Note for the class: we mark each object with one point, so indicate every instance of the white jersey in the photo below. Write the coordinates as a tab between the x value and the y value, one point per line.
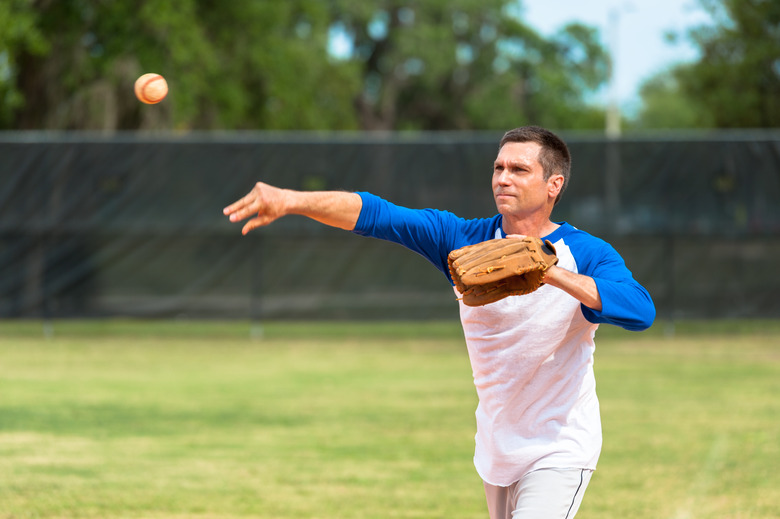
534	378
531	355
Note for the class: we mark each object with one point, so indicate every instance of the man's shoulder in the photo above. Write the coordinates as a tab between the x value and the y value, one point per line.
383	219
571	234
475	230
585	247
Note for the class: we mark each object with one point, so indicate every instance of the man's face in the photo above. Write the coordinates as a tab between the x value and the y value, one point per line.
519	188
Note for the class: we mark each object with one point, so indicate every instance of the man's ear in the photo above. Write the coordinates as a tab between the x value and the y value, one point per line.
554	186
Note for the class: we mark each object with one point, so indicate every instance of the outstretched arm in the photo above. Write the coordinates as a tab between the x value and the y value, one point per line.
266	203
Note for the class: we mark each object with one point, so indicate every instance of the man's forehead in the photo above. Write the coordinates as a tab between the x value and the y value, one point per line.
519	152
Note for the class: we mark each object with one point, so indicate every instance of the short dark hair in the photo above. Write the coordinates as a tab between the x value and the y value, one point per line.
554	156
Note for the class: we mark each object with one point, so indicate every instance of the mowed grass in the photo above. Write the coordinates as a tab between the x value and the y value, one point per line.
120	419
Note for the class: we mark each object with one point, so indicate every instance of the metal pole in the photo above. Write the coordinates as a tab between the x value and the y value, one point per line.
256	330
613	129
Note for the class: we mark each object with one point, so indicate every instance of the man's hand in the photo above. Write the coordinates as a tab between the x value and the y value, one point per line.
267	202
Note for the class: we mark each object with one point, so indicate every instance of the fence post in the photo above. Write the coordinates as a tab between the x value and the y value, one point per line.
256	330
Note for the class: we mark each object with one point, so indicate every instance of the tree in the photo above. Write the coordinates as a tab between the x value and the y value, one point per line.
266	64
736	81
18	35
468	64
664	105
237	64
80	75
275	71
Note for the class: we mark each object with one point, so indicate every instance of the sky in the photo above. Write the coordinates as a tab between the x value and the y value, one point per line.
641	48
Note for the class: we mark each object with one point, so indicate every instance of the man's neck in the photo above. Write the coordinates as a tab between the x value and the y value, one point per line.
529	227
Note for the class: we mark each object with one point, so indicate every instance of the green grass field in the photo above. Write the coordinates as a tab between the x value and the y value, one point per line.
120	419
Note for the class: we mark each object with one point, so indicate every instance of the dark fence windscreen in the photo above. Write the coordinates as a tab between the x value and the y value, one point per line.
132	225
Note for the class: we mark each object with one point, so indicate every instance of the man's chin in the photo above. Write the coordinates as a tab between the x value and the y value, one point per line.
503	204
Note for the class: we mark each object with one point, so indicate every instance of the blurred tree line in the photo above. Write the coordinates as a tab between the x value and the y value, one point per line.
736	81
359	64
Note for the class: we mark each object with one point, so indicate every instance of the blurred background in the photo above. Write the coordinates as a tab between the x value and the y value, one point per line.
109	207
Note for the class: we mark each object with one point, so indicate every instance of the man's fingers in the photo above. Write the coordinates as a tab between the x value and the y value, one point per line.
244	208
241	214
254	223
232	208
259	203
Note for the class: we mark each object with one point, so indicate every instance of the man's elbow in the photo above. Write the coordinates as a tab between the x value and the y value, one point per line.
646	318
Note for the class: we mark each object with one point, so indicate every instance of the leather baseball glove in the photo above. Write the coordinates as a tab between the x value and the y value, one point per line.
492	270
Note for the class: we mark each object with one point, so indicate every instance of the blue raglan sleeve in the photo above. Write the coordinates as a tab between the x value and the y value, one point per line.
431	233
624	301
427	232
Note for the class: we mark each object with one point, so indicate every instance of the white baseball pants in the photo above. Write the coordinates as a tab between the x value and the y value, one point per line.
541	494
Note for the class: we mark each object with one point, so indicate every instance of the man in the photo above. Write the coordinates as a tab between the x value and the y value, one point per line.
538	424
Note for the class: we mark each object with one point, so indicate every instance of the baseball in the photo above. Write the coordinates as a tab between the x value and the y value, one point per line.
151	88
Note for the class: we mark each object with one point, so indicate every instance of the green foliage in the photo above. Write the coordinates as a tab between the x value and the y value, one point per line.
261	64
91	54
664	105
738	77
238	64
736	81
470	64
274	69
18	34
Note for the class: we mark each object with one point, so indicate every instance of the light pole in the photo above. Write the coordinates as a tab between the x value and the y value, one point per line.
613	129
